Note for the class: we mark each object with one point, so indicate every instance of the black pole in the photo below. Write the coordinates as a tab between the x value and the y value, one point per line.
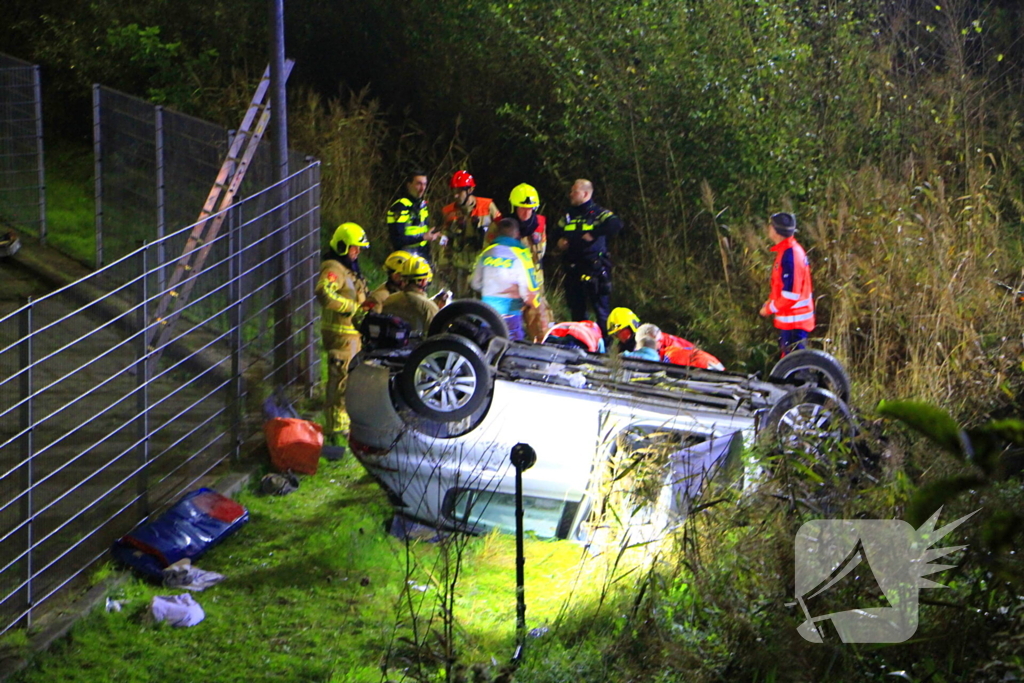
523	458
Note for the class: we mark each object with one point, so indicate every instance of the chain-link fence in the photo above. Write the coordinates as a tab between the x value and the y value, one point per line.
103	421
22	187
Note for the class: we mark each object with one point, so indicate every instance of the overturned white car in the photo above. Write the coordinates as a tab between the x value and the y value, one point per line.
435	422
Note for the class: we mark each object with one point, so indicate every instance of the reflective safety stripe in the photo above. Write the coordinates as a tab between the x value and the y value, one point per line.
339	329
790	295
803	304
531	272
407	215
794	318
497	262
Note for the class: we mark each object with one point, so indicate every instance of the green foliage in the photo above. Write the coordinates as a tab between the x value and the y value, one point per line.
932	422
992	453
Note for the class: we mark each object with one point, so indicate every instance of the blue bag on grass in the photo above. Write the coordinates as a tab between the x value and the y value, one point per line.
196	523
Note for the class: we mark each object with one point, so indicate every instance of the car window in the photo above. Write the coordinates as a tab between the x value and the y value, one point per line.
656	472
485	510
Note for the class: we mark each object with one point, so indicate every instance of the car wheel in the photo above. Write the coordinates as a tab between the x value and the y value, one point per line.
810	426
475	315
445	379
811	366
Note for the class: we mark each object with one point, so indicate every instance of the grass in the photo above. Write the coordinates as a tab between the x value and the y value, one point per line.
70	207
317	591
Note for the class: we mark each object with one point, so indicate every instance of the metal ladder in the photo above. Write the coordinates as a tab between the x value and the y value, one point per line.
201	239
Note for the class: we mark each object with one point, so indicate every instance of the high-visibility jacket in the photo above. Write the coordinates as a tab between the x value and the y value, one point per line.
588	218
408	223
341	293
464	239
679	351
505	277
586	332
792	298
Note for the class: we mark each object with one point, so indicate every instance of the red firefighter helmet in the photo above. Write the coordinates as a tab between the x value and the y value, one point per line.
461	179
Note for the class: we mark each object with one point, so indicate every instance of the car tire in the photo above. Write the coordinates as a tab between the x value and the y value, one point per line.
471	311
811	366
807	423
445	379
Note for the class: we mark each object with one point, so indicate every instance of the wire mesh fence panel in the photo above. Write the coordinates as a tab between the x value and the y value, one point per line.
93	438
22	189
155	171
126	174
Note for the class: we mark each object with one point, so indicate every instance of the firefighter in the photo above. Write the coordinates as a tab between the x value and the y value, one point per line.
791	300
341	291
505	277
392	266
582	334
533	232
408	218
623	325
582	237
464	225
412	304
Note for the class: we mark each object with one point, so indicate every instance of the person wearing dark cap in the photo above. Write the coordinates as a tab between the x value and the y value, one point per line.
791	300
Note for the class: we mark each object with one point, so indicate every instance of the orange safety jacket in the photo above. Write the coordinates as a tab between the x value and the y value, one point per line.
462	248
585	331
679	351
792	298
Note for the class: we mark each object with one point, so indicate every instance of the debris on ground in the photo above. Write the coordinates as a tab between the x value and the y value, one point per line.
182	574
274	484
177	610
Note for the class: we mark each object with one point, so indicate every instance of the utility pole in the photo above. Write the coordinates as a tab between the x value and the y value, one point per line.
284	362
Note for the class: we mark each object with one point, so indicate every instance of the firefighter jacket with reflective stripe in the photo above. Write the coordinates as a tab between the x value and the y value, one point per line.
464	239
791	299
588	219
505	276
408	223
413	307
586	332
341	293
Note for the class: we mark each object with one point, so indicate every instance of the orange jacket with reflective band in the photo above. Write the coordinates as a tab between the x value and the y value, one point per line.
793	309
481	208
679	351
585	331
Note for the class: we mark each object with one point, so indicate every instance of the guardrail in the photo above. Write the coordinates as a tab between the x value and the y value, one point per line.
91	441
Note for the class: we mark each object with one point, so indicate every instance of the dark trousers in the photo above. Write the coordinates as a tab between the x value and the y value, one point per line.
792	340
579	292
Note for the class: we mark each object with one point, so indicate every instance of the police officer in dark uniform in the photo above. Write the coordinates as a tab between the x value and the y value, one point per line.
582	237
408	218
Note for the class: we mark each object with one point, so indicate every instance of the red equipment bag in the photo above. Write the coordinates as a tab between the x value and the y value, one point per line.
294	444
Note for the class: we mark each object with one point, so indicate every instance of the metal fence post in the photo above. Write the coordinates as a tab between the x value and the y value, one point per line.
27	475
311	258
235	389
161	219
307	272
97	153
142	385
38	97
